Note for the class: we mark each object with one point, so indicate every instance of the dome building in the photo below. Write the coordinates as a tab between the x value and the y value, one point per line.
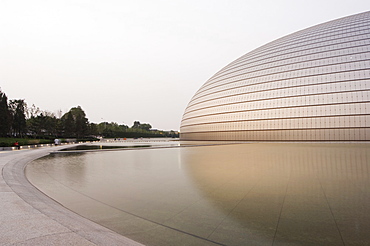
312	85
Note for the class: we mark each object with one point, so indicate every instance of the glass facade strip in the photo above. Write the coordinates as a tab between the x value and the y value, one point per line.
300	55
323	36
324	47
258	103
282	114
298	82
289	71
334	76
276	88
285	123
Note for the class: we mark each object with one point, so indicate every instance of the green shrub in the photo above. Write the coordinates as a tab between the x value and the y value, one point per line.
9	142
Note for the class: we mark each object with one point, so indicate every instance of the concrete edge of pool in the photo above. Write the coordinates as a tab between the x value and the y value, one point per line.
29	217
67	151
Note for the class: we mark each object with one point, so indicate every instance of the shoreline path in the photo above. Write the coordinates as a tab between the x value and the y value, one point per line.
29	217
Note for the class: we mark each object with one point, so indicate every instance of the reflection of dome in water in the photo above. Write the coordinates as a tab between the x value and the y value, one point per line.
298	192
311	85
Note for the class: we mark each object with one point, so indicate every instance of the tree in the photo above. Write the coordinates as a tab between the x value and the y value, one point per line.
145	127
75	123
68	125
18	110
33	125
138	125
93	129
4	115
44	124
32	111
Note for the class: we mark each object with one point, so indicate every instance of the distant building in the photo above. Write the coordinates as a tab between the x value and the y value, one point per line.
311	85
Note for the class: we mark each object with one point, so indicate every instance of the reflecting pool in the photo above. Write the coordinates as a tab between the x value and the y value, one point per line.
234	194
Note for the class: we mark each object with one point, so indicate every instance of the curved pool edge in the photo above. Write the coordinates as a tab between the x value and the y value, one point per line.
66	151
30	217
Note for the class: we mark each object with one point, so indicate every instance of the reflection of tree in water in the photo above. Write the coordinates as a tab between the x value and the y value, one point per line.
299	193
65	168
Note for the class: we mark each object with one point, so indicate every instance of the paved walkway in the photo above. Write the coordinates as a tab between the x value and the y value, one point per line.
28	217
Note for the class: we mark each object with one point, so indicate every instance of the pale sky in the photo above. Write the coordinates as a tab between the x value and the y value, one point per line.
143	60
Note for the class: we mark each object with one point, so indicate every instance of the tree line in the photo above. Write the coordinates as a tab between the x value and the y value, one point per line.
19	120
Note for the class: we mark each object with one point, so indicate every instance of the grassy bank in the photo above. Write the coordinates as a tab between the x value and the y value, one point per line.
9	142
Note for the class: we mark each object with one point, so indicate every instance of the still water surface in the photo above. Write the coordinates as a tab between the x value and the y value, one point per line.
237	194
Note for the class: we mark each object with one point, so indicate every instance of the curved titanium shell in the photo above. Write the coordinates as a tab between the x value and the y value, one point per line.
311	85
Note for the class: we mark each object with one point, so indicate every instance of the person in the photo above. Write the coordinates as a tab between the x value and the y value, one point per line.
17	145
56	141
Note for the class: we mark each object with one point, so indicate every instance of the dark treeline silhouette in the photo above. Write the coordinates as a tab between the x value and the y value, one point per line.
19	120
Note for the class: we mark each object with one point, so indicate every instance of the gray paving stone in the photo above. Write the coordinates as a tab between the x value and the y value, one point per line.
20	229
64	239
28	217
